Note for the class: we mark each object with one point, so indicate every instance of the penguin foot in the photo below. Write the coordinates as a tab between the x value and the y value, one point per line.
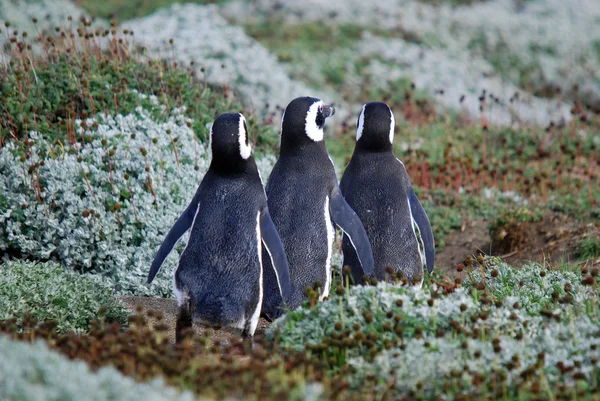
183	326
246	335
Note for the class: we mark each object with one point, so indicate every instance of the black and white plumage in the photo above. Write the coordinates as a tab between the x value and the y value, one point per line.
376	185
305	202
219	279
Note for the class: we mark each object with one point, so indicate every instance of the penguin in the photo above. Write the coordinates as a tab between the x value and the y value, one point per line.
377	187
305	202
219	278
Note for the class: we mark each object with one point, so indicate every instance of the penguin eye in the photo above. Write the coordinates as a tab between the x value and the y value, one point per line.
320	120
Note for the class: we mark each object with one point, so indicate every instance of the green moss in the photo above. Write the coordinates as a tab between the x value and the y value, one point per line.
45	291
589	249
453	3
310	36
122	10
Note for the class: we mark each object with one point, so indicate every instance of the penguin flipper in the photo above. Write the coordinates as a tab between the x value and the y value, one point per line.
179	228
272	242
346	219
420	217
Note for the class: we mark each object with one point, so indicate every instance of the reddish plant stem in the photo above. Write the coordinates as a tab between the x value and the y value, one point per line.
176	154
88	184
110	173
132	201
38	188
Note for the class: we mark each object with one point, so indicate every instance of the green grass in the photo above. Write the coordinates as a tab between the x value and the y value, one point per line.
315	50
122	10
589	249
44	291
514	216
310	36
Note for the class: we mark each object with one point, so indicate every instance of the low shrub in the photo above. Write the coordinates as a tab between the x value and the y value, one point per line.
103	206
515	216
503	330
34	372
43	291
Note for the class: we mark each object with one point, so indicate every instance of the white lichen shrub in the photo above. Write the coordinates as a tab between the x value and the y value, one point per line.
502	322
48	14
432	68
533	287
34	372
426	361
104	204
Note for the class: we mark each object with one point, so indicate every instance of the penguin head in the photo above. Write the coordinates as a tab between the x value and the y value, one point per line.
375	127
303	120
229	140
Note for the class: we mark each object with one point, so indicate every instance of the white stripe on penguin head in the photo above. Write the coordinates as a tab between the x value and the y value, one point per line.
392	125
245	149
313	131
210	136
361	123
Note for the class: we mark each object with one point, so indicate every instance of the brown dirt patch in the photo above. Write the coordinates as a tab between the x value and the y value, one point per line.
168	308
553	239
473	237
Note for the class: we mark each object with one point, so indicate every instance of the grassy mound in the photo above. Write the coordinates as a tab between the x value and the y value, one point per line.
214	371
44	291
101	71
504	333
589	248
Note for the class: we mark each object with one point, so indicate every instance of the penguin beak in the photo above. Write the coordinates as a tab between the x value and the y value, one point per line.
328	111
